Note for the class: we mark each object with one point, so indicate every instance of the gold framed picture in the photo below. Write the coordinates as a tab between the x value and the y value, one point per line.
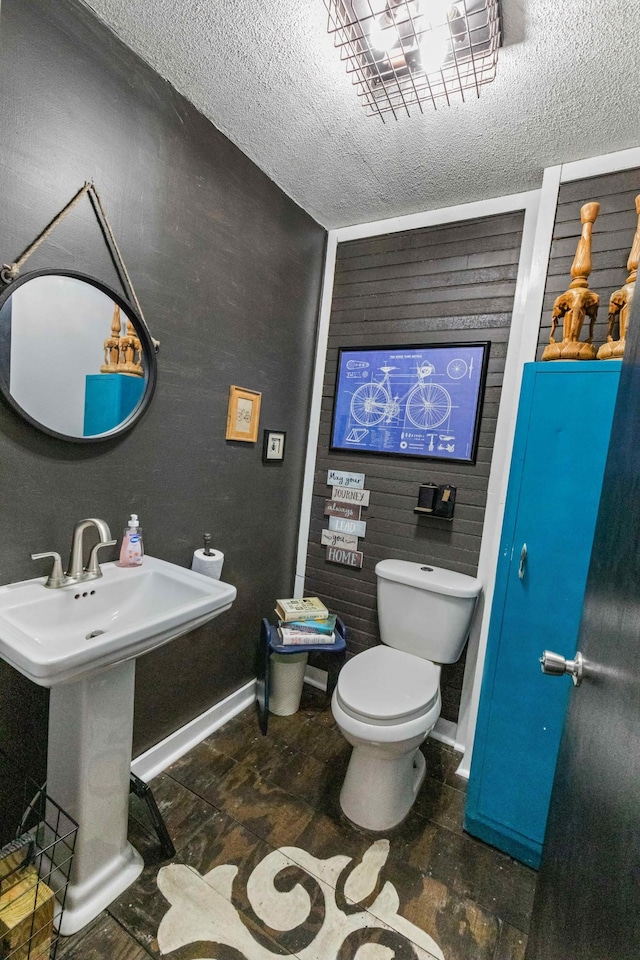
243	414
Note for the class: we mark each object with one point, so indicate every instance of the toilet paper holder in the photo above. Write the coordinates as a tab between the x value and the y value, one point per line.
207	561
436	500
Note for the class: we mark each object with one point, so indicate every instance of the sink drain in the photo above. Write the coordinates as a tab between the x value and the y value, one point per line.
94	633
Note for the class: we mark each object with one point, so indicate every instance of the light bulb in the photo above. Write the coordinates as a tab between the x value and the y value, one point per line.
434	49
437	11
383	35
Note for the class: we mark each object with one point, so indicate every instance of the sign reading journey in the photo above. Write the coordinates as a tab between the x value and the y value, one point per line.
347	495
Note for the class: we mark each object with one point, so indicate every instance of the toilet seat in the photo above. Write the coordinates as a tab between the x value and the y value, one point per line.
383	686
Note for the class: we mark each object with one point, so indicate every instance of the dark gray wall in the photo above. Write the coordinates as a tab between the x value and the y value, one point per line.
434	285
612	237
228	271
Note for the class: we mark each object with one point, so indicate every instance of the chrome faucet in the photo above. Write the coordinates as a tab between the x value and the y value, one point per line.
76	573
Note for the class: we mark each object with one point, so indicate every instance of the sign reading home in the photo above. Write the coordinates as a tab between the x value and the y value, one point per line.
331	538
348	511
347	495
357	528
348	558
340	478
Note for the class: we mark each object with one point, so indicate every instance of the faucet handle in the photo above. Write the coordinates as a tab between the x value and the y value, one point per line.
93	567
56	577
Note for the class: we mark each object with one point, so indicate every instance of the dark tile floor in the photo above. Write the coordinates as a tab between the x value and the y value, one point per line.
238	797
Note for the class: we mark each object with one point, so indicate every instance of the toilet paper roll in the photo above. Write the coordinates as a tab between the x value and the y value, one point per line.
209	566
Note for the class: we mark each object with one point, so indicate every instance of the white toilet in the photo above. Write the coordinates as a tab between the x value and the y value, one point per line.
387	699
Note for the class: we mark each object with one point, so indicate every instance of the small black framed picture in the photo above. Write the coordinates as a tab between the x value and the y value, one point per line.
273	446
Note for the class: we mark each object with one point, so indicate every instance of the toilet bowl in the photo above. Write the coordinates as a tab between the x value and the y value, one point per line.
385	703
387	699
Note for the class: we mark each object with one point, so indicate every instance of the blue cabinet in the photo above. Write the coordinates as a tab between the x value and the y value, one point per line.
109	399
562	435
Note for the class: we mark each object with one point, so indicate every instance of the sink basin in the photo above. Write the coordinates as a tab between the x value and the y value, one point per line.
52	636
82	640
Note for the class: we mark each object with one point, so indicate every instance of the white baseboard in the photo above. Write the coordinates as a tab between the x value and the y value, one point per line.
445	732
153	761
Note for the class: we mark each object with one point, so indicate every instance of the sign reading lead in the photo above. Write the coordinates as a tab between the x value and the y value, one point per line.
347	495
332	539
340	478
349	558
357	528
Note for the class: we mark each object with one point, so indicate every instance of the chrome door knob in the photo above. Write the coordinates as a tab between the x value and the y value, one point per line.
557	666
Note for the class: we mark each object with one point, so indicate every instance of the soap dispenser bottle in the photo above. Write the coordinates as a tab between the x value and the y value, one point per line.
131	551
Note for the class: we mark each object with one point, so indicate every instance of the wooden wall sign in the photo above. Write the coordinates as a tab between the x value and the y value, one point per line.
331	538
347	495
348	558
356	527
340	478
346	510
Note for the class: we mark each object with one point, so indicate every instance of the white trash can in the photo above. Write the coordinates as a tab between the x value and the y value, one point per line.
287	678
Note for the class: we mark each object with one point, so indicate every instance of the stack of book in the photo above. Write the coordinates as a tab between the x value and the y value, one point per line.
305	621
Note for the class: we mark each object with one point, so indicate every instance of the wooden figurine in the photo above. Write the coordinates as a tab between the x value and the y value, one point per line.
577	302
620	302
122	353
112	344
134	352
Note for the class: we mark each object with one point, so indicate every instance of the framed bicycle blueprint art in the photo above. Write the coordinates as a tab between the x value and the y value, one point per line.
413	401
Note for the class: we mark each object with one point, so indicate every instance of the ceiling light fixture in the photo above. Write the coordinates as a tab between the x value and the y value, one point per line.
404	54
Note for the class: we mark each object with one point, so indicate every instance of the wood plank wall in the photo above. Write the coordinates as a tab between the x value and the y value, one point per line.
433	285
612	237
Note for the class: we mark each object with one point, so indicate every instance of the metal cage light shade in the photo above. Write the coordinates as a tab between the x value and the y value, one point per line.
410	53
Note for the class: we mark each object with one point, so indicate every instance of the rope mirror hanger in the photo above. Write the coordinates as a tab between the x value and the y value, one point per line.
10	271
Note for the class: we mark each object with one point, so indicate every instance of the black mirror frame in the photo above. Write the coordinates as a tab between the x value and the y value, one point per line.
148	352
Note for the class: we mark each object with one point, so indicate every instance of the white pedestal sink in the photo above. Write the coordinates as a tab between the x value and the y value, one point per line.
82	641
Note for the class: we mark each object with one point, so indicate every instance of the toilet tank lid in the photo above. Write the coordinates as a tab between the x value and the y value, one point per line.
427	577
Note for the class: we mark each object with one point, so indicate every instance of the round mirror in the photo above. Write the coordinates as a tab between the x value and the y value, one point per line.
76	360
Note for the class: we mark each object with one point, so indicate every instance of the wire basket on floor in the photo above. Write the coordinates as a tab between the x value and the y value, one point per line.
34	874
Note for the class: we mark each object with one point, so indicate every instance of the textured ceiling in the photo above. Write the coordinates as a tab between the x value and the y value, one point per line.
266	73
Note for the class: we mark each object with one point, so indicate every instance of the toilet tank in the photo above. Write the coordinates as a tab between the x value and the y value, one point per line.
425	610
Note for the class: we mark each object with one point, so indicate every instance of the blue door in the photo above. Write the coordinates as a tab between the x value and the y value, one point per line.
562	436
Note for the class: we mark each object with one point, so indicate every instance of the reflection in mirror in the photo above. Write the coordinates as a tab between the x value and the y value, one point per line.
70	357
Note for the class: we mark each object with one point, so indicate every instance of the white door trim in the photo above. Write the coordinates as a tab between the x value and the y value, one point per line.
316	407
435	218
525	323
597	166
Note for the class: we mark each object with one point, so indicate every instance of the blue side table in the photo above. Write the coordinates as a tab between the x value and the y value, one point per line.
270	643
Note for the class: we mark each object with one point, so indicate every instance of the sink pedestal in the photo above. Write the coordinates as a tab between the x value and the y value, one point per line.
83	644
89	762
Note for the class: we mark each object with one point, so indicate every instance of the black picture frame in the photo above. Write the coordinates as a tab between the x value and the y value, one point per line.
411	400
273	445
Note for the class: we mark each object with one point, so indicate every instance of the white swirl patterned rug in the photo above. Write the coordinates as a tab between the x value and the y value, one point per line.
315	909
